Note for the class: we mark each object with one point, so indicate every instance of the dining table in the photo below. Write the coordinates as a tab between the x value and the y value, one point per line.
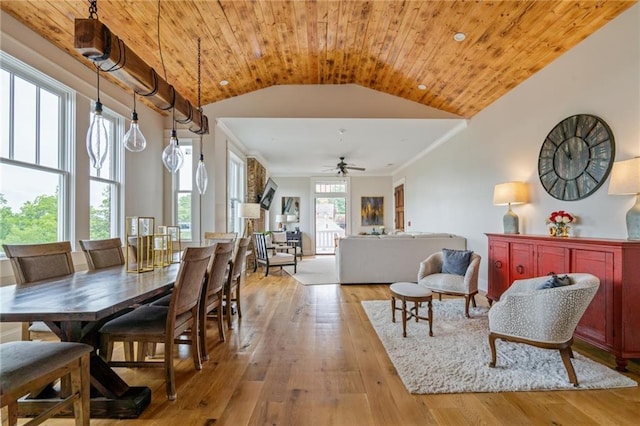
75	307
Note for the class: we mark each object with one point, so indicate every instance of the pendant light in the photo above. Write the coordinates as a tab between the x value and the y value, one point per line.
172	156
201	172
134	140
97	137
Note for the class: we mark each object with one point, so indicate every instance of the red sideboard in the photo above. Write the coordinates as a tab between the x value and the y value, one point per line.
612	320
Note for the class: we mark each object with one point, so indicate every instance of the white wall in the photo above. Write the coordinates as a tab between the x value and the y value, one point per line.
451	189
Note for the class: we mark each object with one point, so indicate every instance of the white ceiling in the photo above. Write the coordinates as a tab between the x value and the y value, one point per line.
310	147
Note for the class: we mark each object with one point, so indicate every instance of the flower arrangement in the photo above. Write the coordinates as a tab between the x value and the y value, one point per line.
560	220
561	217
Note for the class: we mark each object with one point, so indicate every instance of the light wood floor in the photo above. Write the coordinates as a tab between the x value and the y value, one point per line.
307	355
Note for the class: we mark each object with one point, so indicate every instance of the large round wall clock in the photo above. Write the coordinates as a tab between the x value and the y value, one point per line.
576	157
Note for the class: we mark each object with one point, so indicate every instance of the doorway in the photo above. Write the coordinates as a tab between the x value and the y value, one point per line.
398	195
331	222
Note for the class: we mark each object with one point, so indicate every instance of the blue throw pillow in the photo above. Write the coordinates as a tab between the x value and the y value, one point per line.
555	281
455	261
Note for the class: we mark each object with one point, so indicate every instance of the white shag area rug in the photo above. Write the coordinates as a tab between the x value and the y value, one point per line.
315	270
456	359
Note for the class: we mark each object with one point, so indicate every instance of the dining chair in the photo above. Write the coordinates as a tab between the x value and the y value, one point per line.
213	293
232	287
159	324
213	237
37	262
27	367
102	253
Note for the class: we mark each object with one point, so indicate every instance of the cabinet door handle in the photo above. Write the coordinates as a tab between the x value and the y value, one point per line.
498	264
520	269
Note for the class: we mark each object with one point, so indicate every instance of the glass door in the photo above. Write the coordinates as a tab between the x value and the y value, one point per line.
331	214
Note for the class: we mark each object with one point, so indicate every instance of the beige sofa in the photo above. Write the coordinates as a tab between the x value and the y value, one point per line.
369	259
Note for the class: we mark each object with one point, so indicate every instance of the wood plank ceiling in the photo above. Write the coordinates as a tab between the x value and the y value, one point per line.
389	46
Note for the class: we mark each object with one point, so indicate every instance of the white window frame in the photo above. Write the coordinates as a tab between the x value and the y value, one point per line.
66	147
236	183
175	183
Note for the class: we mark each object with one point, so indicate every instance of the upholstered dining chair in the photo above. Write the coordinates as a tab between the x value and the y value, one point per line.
530	313
211	238
267	257
452	272
234	279
211	299
213	294
38	262
102	253
159	324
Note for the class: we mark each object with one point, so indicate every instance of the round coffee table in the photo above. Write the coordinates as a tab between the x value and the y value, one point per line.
410	292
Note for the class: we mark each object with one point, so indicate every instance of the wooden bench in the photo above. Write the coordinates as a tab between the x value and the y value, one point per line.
29	366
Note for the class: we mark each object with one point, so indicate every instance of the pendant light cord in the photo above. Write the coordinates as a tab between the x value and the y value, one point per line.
164	70
98	83
199	102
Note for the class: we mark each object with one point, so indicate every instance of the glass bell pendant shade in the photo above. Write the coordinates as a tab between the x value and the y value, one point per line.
97	138
134	140
172	156
201	176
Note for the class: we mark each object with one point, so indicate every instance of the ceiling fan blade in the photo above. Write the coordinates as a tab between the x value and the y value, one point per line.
362	169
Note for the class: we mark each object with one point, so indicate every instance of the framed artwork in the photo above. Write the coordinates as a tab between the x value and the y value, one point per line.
372	211
291	207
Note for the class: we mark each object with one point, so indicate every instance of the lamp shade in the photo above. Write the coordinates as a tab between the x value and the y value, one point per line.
510	193
281	218
625	177
291	218
249	210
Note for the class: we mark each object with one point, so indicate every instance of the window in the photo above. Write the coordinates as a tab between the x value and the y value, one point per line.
36	142
184	192
235	183
106	183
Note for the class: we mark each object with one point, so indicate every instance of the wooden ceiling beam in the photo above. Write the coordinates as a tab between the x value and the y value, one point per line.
97	43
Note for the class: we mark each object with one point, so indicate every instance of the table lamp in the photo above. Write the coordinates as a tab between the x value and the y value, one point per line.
248	211
292	218
280	219
506	194
625	180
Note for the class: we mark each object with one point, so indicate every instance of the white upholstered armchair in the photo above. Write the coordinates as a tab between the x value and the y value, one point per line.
544	318
430	276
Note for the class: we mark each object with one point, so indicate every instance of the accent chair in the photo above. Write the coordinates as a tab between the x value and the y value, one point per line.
435	275
545	318
269	258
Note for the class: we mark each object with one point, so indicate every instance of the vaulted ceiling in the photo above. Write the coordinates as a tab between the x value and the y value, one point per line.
389	46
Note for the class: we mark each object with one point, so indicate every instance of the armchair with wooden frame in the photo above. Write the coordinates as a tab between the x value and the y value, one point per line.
269	258
529	312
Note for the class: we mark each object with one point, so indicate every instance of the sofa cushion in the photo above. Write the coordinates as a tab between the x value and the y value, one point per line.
555	281
455	261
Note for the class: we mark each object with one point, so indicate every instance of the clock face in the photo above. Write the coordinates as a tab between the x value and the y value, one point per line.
576	157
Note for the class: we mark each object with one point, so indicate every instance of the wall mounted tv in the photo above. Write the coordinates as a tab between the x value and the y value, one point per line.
268	193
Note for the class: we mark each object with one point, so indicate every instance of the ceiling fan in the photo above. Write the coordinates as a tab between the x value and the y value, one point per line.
343	167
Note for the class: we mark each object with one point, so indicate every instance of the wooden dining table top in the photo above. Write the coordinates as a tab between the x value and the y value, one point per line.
84	296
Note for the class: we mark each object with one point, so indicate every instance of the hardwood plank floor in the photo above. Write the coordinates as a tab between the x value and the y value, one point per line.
307	355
